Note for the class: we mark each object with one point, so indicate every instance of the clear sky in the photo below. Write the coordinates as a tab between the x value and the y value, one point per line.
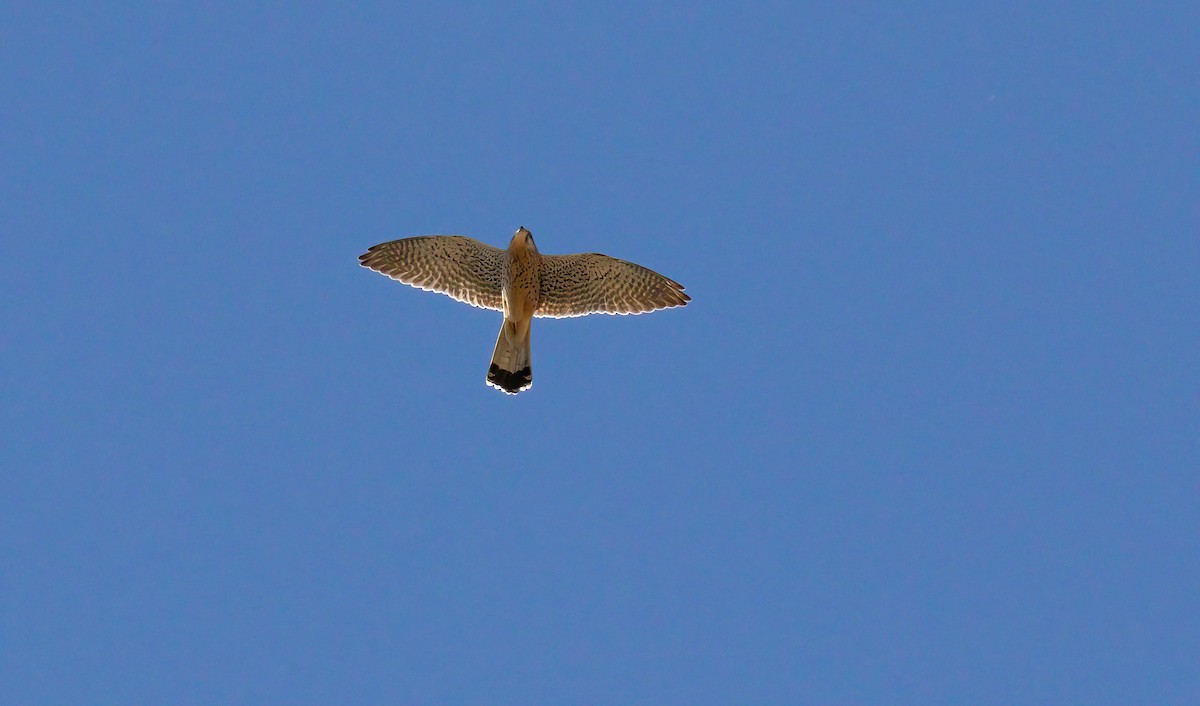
927	433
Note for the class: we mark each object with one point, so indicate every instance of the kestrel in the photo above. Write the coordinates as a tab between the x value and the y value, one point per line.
522	283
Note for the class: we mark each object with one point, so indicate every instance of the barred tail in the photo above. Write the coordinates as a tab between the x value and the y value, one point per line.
509	370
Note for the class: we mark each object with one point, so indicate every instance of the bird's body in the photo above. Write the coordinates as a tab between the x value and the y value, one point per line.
520	291
522	283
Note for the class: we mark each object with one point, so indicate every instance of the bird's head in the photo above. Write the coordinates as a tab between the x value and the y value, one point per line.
522	240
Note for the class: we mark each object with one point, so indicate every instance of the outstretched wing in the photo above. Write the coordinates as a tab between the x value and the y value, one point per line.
461	267
591	283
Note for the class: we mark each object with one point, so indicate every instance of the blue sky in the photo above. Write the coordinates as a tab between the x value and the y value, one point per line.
928	432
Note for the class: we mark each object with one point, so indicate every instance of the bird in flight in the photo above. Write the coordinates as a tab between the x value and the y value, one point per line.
522	283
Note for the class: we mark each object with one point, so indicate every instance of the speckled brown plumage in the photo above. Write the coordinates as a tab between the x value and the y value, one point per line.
523	284
461	267
591	283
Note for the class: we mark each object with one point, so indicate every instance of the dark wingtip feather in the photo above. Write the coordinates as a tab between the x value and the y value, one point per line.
371	254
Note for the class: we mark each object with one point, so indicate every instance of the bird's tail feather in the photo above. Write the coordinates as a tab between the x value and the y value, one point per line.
510	370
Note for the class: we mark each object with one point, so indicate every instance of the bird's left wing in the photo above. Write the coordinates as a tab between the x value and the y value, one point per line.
456	265
591	283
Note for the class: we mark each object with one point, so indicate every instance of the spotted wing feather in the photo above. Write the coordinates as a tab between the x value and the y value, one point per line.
455	265
591	283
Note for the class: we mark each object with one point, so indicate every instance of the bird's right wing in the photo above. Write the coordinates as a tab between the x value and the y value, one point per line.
456	265
591	283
